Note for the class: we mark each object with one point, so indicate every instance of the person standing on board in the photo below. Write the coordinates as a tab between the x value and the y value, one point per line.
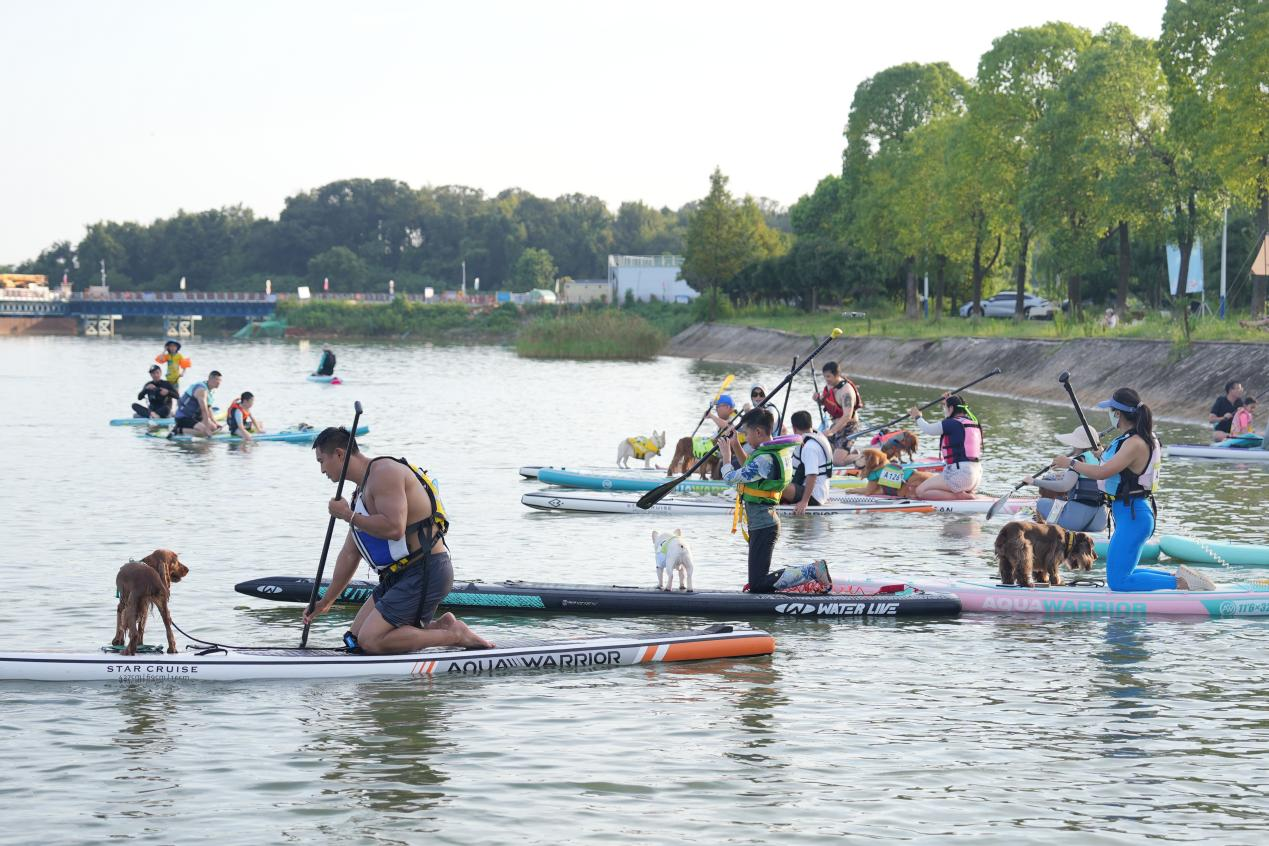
961	445
176	363
159	395
1222	414
1128	474
194	414
326	366
397	524
759	483
840	398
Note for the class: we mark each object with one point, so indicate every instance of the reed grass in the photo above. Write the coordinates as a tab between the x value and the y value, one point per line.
600	334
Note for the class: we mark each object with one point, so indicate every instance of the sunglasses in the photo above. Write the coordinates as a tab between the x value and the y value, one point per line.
757	394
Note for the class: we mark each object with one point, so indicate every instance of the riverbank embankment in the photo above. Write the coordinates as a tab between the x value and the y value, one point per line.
1180	384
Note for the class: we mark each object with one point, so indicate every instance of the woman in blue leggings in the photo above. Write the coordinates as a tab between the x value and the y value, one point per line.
1129	473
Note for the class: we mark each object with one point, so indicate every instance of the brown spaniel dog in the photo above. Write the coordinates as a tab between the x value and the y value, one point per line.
897	444
1028	550
683	459
871	460
142	584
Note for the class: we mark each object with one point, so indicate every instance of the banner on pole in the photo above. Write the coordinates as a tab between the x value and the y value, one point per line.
1194	276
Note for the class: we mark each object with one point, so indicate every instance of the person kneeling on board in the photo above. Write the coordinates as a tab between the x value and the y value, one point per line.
397	524
1068	499
961	445
194	413
159	395
812	466
760	480
240	420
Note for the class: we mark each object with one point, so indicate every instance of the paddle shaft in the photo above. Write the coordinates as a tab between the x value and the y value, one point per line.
816	385
655	495
784	409
710	407
1079	412
869	431
330	525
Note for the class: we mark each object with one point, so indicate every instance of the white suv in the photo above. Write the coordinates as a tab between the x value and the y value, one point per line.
1002	305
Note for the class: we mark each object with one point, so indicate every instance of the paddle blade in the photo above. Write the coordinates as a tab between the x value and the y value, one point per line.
657	494
999	504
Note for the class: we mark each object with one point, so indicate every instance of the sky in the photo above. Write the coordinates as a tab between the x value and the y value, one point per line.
114	110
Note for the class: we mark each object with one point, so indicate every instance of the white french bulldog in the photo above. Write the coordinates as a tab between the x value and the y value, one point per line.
640	447
672	554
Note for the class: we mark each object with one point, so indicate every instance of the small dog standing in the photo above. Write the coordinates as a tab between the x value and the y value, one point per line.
672	555
640	447
685	456
142	584
894	444
1028	550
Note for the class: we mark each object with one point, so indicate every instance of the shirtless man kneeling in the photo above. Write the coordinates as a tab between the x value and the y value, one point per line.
397	524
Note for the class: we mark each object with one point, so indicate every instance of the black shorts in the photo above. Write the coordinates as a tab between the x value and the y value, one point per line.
798	491
411	598
185	423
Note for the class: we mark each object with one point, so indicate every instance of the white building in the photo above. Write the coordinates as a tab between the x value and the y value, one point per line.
648	277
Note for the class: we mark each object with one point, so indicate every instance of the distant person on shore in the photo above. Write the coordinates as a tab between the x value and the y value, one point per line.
159	395
176	363
1222	414
194	414
239	418
326	367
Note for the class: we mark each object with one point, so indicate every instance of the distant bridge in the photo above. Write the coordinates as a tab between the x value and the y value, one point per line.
97	312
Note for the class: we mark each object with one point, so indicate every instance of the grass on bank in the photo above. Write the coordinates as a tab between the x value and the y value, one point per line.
891	323
599	334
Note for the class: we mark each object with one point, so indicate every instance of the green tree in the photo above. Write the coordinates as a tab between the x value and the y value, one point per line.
342	266
533	269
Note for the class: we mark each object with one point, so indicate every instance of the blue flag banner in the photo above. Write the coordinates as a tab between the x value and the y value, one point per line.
1194	280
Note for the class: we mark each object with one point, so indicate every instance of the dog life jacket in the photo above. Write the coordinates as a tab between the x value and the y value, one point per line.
643	446
890	477
247	422
701	444
189	406
962	439
884	437
824	469
663	550
394	555
1127	485
765	491
828	399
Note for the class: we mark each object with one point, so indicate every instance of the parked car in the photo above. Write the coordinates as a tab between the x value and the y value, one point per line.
1002	305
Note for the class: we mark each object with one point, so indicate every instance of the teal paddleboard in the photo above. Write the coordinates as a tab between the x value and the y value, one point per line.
1197	551
293	436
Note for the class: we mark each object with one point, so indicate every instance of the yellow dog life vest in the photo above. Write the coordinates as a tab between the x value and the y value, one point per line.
643	447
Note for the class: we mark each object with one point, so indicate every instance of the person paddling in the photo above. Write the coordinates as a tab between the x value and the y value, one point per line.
397	524
159	395
1068	499
194	414
326	366
240	420
961	445
1128	475
841	399
176	363
759	482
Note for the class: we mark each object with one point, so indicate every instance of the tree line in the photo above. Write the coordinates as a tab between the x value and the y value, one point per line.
1065	165
358	233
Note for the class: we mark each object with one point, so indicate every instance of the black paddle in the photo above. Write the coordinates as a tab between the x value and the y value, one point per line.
816	385
330	526
1065	378
1000	503
787	391
856	435
659	493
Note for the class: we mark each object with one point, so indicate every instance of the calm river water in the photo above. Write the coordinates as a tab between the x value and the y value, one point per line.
1003	728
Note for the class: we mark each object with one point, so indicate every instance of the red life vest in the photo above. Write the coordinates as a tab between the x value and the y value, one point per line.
828	399
962	440
247	422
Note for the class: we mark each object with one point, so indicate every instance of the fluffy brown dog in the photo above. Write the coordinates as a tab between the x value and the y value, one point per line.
897	445
142	584
684	459
871	460
1028	550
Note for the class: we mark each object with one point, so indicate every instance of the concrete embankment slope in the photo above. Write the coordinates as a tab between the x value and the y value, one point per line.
1178	388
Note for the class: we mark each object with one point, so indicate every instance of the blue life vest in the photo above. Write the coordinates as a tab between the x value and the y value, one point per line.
189	406
1086	491
395	554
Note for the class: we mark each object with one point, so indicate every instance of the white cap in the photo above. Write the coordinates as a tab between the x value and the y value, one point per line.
1078	439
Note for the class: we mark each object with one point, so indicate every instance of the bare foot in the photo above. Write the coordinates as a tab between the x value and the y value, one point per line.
467	638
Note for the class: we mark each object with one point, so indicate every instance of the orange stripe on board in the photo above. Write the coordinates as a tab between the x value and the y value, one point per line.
732	647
